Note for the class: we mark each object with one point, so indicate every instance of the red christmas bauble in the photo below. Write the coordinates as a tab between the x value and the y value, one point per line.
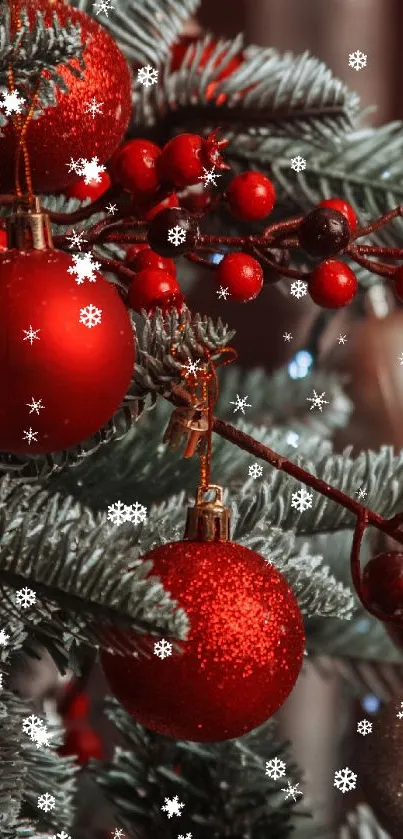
154	288
242	275
68	130
242	656
134	166
83	744
59	341
332	284
251	196
138	260
92	190
343	207
382	582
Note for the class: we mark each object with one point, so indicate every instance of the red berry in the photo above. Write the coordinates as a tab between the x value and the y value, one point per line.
134	166
83	744
398	282
92	190
343	207
154	288
3	240
185	156
382	582
137	260
78	708
251	196
242	275
332	284
171	201
173	232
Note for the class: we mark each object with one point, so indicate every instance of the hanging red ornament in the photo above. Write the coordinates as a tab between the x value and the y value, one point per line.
68	130
245	645
93	189
58	341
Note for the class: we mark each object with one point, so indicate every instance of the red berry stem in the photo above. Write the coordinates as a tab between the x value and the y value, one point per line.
380	268
293	273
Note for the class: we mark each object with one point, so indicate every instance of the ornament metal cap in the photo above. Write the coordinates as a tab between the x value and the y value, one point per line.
208	520
28	226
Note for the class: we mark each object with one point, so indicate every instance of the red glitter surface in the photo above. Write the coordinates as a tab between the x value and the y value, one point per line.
242	656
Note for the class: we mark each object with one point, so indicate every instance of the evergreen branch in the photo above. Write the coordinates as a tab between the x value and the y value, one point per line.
235	799
37	48
362	824
49	773
14	773
268	94
133	24
77	564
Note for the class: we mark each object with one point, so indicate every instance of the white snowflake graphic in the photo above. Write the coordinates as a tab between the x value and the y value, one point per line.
298	163
117	833
287	336
298	289
209	176
345	780
104	6
188	836
147	76
31	725
342	338
256	470
177	235
117	513
84	268
46	802
31	335
162	649
41	737
240	404
61	835
275	768
357	60
400	358
301	500
364	727
90	316
35	405
292	791
90	170
30	436
400	713
192	368
361	493
12	102
223	292
172	807
25	597
94	107
317	401
112	209
1	681
76	239
136	513
4	638
292	439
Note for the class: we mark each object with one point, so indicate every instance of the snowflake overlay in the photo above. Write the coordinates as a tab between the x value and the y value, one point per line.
76	239
292	791
357	60
84	268
192	367
301	500
298	289
94	107
400	713
104	6
209	176
172	807
342	338
35	406
364	727
177	235
287	336
35	729
4	638
90	316
298	163
90	170
256	470
117	833
317	401
30	436
25	597
112	209
188	836
12	102
361	493
31	335
147	76
223	292
345	780
61	835
162	649
240	404
46	802
119	513
275	768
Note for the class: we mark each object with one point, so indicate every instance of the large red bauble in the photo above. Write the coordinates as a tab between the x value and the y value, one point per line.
79	373
242	656
68	130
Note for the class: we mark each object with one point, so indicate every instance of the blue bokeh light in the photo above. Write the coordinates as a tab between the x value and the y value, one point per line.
371	703
300	366
216	258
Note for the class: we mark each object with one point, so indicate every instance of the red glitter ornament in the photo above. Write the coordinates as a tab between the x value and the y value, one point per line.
68	130
242	656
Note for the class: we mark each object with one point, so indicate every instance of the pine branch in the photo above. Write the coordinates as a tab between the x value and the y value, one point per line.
144	29
268	94
76	564
223	786
37	48
361	824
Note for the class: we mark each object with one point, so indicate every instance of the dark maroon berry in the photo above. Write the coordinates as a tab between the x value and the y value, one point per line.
324	232
172	232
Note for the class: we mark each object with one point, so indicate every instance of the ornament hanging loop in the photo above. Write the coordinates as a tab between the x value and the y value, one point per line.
208	520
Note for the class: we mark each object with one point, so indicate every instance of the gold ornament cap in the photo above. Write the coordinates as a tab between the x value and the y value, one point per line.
28	226
208	520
